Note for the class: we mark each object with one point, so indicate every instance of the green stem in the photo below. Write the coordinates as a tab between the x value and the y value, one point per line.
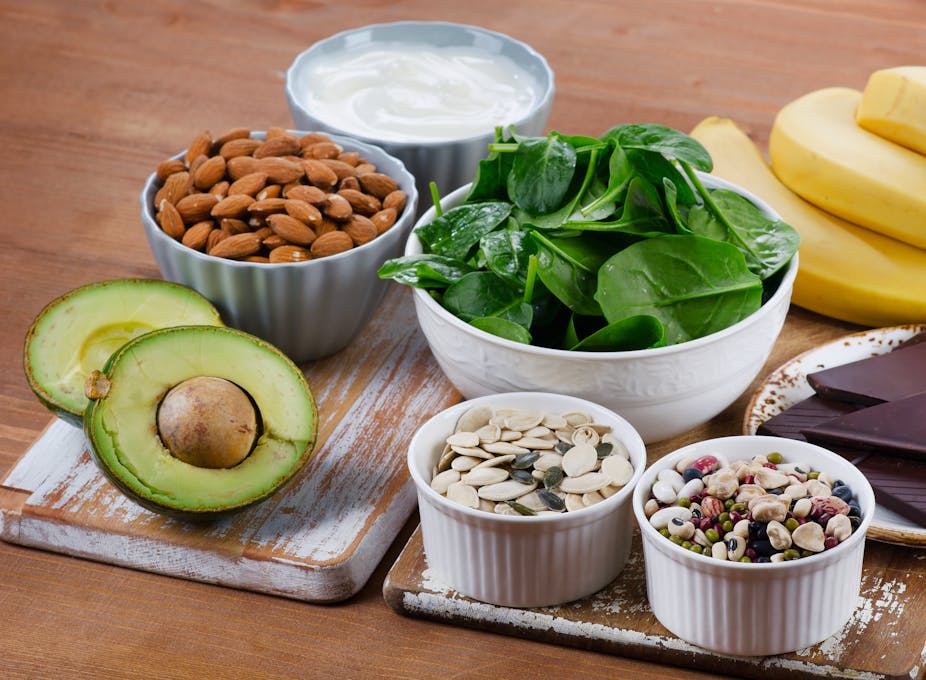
435	198
531	278
714	208
504	147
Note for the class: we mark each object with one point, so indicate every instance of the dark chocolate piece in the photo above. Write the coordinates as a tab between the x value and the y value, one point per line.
805	414
899	485
887	377
896	428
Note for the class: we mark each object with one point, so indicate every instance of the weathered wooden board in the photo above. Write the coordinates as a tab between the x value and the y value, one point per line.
317	540
885	638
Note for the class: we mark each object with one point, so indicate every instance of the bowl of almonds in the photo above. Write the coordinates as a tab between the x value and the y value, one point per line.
513	487
753	545
283	231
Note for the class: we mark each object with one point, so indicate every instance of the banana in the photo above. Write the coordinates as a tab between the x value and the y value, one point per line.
845	272
818	151
893	106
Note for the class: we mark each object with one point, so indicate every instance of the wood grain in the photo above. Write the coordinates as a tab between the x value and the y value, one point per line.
96	93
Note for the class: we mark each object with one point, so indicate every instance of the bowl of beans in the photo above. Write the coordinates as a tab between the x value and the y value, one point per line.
736	527
512	487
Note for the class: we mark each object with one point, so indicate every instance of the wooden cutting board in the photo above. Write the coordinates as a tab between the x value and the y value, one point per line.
885	638
317	540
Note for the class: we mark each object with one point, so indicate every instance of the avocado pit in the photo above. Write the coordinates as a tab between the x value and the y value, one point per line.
208	422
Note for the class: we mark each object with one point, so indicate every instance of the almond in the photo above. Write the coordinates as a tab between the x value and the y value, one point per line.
168	168
197	235
350	183
291	229
176	186
200	146
395	199
362	203
235	205
350	157
313	138
309	194
283	145
340	168
270	191
238	147
237	246
332	243
267	206
239	166
289	254
210	172
219	189
215	236
322	150
325	227
384	219
274	241
279	170
302	211
249	184
194	167
338	208
275	131
378	184
365	168
170	220
360	229
263	259
196	207
229	135
232	226
319	174
264	232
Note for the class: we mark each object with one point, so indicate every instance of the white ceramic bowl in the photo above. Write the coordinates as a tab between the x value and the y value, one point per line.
662	391
754	609
307	309
448	162
523	561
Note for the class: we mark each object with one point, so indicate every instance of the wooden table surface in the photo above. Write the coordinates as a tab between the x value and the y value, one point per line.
94	94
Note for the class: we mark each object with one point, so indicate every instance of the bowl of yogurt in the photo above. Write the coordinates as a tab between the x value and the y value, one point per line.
430	93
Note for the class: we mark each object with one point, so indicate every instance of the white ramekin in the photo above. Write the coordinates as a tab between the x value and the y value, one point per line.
523	561
754	609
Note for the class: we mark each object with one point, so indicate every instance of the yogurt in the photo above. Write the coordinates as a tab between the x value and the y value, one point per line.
406	92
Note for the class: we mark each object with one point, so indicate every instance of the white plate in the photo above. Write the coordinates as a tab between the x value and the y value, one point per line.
787	385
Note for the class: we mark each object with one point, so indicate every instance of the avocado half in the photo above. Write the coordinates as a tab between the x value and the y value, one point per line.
121	420
77	332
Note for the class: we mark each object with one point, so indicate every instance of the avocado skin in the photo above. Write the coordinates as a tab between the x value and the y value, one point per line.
194	513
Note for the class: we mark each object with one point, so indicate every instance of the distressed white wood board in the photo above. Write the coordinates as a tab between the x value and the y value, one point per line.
884	639
318	540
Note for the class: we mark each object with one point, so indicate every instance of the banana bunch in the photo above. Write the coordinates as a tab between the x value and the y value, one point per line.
848	171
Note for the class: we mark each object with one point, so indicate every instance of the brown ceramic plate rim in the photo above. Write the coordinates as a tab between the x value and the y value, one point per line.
787	385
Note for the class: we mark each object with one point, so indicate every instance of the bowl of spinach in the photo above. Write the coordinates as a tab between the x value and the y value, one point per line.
613	268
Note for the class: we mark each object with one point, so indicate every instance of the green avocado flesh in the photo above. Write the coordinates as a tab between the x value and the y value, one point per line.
122	425
77	332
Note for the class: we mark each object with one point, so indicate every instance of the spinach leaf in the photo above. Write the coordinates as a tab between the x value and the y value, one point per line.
643	213
503	328
491	181
555	219
454	233
484	294
671	197
424	271
620	172
507	252
768	245
693	285
634	332
541	173
659	139
568	268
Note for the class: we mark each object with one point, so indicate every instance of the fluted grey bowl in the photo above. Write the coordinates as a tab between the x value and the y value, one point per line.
308	309
448	163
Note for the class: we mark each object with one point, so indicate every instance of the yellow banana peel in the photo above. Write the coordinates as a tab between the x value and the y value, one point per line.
893	106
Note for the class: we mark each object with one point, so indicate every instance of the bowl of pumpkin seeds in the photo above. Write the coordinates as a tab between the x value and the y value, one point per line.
510	484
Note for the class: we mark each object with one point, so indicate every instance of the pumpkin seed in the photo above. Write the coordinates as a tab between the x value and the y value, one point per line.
468	439
551	500
590	481
604	449
522	476
553	477
464	494
520	509
580	459
524	460
474	418
483	476
466	463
